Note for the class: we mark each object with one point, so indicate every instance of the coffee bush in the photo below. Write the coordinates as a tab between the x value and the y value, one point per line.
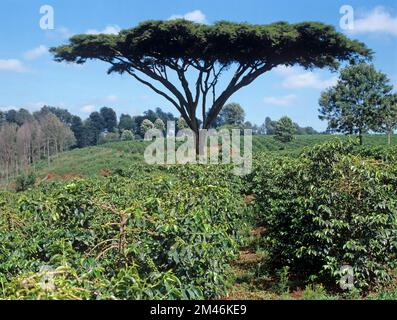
328	208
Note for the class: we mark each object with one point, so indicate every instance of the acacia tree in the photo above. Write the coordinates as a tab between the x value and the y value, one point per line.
355	104
156	53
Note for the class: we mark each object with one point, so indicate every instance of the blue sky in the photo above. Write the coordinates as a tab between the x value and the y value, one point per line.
30	78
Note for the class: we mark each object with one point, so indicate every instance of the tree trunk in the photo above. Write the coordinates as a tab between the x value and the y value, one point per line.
360	136
48	152
197	138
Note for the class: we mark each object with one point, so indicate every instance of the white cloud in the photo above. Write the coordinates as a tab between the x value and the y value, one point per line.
281	101
110	29
296	78
13	65
36	52
195	16
379	20
87	108
59	32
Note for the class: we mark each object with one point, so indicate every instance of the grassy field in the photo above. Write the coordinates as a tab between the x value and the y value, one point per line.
117	155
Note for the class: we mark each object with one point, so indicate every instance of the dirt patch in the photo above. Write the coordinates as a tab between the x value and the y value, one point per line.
249	199
50	176
68	176
247	258
105	172
258	232
296	294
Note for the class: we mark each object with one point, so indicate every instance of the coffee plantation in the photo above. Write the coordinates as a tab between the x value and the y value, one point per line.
176	232
328	208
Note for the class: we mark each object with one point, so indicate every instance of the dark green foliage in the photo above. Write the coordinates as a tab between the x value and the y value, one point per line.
94	126
224	41
153	48
269	126
284	130
355	104
77	127
232	114
329	208
126	122
24	182
62	114
109	119
142	234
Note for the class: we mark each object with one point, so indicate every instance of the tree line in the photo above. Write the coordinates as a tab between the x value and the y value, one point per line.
26	139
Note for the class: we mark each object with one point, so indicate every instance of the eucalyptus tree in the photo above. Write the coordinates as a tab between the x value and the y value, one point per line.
166	55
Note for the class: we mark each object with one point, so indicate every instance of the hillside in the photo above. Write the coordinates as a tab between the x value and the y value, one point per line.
201	232
99	160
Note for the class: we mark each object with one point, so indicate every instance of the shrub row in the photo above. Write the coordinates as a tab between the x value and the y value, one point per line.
334	205
150	236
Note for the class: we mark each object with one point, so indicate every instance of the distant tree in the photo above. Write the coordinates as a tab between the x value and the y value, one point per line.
153	50
11	116
256	130
217	122
232	114
159	125
164	116
95	125
62	114
352	106
146	125
107	137
8	134
2	118
126	122
310	130
109	119
91	135
22	116
388	116
247	125
64	137
137	121
77	128
150	115
57	135
284	130
270	126
181	124
24	144
127	135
